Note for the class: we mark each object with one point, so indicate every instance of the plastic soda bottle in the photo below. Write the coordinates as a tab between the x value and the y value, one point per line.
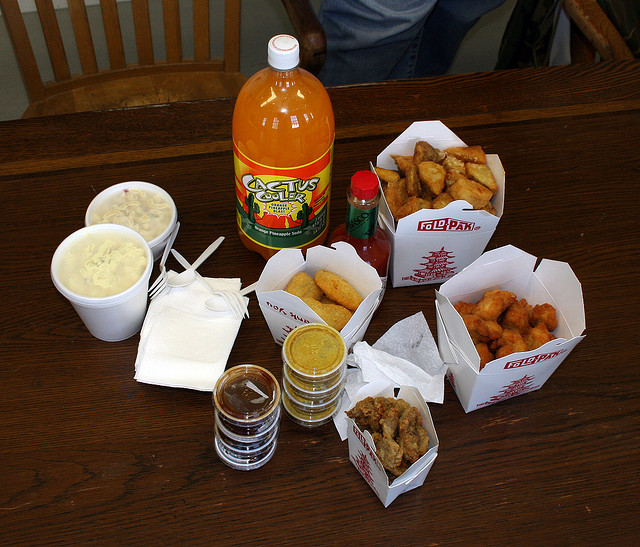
283	133
361	229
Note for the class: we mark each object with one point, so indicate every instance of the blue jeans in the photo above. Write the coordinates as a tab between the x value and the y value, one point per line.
376	40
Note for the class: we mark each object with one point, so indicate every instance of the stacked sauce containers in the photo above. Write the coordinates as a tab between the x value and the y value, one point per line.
283	133
314	372
246	400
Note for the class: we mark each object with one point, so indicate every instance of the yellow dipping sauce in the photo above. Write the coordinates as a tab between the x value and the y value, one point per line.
314	350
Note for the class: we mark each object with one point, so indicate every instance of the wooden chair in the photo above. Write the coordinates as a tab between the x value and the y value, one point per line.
593	31
149	80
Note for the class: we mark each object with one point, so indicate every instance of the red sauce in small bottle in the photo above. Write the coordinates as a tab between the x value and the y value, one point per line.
361	229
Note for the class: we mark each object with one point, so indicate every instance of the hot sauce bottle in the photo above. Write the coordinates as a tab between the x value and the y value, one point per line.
283	133
361	229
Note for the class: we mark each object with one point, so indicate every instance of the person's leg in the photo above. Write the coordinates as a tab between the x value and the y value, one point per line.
368	40
444	30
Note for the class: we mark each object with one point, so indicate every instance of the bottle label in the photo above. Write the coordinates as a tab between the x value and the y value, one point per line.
362	224
282	207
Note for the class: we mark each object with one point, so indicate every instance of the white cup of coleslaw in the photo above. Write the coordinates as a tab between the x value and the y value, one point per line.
145	207
112	302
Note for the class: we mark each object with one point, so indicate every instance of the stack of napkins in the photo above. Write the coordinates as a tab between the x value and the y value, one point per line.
406	355
182	342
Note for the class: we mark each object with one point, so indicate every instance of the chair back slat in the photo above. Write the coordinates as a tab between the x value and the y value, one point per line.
53	39
232	36
23	50
172	35
84	40
142	25
201	40
113	34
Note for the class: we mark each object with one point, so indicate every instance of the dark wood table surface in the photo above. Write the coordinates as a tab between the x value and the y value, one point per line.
87	454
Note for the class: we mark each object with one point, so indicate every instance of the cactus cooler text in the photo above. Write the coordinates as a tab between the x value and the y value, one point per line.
282	207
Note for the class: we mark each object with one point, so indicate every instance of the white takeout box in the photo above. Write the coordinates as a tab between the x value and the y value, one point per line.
284	311
432	245
362	450
507	268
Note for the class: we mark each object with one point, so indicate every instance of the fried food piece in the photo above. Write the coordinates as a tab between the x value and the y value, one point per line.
510	342
516	317
412	205
482	330
389	452
481	173
387	175
338	289
464	308
431	176
473	154
395	193
544	313
368	411
451	163
477	195
412	437
304	286
410	174
493	304
537	336
484	352
423	151
334	315
452	177
441	200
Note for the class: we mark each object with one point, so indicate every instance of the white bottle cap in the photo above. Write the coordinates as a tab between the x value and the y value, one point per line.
283	52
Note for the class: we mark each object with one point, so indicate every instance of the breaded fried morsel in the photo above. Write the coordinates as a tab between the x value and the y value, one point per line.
338	289
334	315
303	285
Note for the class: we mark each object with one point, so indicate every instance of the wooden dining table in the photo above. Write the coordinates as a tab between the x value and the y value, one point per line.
90	455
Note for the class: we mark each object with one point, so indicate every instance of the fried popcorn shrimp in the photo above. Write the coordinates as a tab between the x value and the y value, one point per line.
482	174
431	176
484	352
493	304
412	205
516	317
304	286
544	313
334	315
482	330
338	289
473	154
471	191
537	336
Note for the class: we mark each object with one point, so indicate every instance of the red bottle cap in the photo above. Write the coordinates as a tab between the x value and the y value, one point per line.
364	184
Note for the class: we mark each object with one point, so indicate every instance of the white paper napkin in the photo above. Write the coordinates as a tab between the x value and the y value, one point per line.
406	355
183	343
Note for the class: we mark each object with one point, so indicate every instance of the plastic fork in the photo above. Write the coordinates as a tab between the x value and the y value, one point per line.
160	283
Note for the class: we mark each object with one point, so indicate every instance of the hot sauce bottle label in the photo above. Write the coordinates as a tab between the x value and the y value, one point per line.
362	224
282	207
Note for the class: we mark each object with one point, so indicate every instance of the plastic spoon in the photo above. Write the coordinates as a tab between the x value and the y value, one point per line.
188	276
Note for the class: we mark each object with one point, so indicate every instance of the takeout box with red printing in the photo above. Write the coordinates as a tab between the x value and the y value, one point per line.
284	311
362	448
432	245
511	269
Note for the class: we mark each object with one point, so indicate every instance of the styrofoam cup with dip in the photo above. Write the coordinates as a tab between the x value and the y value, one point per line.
146	208
104	270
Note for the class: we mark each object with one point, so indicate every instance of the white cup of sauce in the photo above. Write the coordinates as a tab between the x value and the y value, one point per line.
142	206
104	271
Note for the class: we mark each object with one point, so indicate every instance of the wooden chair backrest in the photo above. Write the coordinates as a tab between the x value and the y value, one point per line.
119	68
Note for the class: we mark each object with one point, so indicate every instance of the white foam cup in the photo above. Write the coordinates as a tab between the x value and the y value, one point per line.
110	318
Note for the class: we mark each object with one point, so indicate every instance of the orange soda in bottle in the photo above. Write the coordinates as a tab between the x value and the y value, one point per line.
283	133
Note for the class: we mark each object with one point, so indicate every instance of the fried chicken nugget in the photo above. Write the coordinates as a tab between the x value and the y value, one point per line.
544	313
516	317
464	308
481	173
537	336
493	304
304	286
482	330
334	315
510	342
338	289
484	352
477	195
431	176
474	154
